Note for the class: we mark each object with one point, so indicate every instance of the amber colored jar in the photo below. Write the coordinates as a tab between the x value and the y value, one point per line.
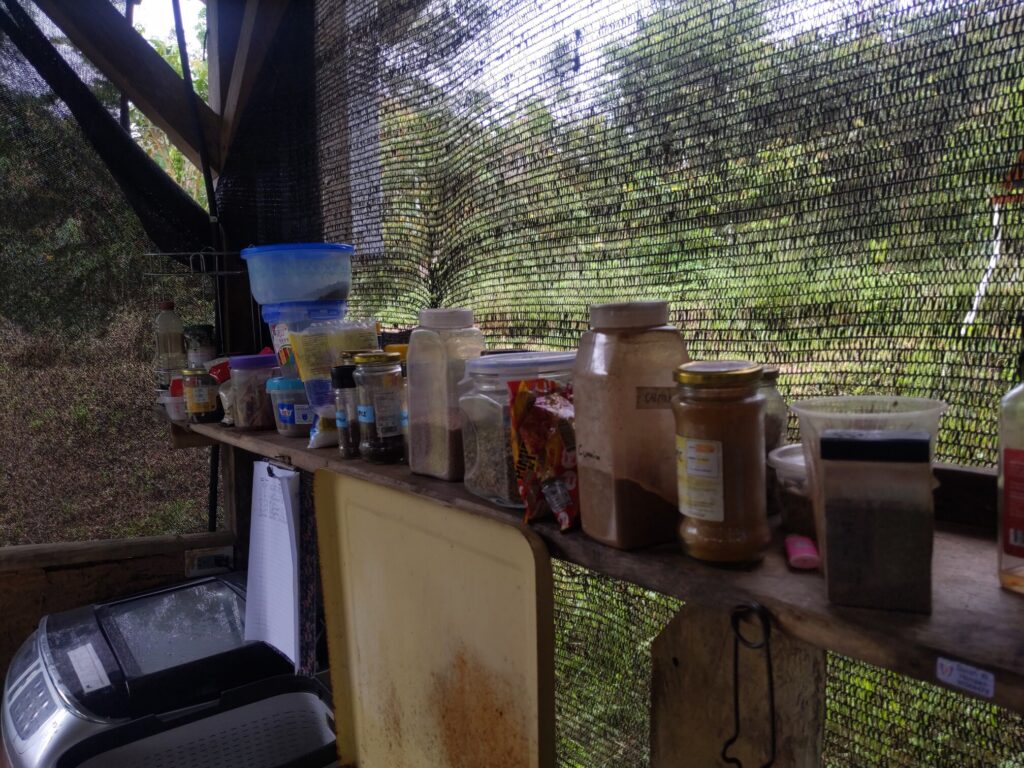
720	461
202	403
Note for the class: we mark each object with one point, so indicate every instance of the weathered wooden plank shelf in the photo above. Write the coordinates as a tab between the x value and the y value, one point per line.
973	621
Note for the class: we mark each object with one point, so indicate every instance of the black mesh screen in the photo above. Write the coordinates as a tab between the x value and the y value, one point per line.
820	185
810	184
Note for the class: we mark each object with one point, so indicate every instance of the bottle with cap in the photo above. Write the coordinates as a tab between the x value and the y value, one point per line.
625	430
345	409
438	351
170	354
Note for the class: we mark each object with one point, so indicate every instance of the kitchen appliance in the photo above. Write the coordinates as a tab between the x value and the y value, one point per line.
97	668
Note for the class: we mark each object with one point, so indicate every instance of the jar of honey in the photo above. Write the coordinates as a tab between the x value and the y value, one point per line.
720	460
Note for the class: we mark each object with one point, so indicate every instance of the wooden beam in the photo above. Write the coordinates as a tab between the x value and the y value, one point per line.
106	39
260	20
223	23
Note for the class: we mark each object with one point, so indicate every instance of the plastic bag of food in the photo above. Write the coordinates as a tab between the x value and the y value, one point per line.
544	449
323	433
320	347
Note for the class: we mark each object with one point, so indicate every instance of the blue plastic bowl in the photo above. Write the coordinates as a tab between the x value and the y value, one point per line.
299	272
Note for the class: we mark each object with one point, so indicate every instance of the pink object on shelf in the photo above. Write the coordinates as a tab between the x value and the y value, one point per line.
802	553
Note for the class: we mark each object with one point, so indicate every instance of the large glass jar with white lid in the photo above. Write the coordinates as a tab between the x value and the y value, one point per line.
438	351
625	431
487	420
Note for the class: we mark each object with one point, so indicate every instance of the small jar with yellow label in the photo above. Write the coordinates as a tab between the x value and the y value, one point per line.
720	460
202	403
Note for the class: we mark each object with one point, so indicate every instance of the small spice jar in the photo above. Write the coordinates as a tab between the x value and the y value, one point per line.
378	377
720	461
487	417
200	344
201	402
776	412
346	416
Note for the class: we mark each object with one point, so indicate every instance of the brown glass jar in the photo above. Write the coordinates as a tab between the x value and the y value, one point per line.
202	403
720	461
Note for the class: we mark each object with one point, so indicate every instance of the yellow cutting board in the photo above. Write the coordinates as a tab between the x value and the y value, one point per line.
440	631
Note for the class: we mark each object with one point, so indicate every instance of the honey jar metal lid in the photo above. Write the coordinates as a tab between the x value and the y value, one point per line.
719	373
359	358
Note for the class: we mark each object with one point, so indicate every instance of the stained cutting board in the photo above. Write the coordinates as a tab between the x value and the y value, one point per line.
440	632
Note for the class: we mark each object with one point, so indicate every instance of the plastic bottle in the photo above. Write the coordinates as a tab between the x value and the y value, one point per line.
438	351
625	431
1011	490
170	344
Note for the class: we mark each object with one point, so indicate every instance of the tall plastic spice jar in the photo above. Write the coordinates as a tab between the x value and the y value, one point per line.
249	376
438	351
623	387
720	461
484	403
378	378
345	410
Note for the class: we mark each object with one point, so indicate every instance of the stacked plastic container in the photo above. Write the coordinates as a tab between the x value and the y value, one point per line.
296	285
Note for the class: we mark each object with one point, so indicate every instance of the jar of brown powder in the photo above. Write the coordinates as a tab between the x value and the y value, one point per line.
720	460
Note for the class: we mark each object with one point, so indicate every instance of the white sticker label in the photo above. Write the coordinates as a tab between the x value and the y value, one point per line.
966	678
699	468
88	667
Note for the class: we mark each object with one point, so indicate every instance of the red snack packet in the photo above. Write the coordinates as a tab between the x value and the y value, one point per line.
544	449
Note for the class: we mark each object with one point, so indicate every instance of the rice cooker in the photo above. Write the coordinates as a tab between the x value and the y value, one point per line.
93	669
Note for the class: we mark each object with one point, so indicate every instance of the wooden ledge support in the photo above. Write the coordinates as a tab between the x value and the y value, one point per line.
692	695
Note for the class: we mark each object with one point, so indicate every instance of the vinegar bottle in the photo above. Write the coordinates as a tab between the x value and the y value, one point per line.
1011	490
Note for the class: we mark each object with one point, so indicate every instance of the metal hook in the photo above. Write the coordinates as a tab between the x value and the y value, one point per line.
739	613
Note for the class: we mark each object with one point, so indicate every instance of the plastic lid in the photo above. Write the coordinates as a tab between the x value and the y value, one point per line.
629	314
718	373
518	363
888	445
789	460
166	305
283	384
361	358
446	319
342	378
401	349
254	250
770	374
252	362
194	372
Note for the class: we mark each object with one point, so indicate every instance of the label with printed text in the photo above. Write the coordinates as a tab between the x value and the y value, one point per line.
699	470
1013	502
965	677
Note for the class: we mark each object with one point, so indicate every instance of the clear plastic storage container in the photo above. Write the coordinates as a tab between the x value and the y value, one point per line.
438	351
776	412
790	494
1011	490
299	271
292	317
249	375
487	418
625	431
292	413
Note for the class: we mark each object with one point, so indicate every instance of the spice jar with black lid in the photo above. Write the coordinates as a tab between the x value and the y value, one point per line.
720	460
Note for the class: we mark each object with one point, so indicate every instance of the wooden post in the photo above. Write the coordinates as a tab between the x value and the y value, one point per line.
692	695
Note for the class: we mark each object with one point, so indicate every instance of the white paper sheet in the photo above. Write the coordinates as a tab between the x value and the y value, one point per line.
272	594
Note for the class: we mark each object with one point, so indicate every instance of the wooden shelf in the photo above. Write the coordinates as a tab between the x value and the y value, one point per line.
973	621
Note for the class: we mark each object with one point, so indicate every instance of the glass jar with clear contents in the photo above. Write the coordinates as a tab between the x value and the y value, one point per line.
378	377
487	419
776	412
721	461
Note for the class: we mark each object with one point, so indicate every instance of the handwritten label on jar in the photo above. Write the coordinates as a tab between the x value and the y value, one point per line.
699	471
965	677
652	398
